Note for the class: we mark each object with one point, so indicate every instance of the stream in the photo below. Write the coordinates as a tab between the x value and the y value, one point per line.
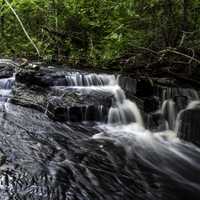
109	154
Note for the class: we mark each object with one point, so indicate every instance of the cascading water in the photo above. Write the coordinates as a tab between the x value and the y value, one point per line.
171	163
182	99
169	111
79	79
6	83
123	111
113	159
5	87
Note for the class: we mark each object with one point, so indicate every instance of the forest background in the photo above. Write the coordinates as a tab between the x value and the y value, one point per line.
103	33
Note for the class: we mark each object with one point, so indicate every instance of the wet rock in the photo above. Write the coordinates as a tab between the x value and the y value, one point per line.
178	94
144	88
7	68
189	126
103	171
40	76
2	158
128	84
156	122
63	104
150	104
57	108
181	102
33	97
71	105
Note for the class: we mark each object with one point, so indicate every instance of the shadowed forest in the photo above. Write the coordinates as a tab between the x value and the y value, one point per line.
122	34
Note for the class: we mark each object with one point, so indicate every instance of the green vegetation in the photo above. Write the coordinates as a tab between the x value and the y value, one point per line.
96	32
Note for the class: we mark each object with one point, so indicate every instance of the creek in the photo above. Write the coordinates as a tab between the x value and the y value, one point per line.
105	148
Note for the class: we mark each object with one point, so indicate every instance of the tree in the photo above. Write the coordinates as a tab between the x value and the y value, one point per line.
95	32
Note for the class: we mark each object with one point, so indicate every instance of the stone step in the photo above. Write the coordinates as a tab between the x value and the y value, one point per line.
78	104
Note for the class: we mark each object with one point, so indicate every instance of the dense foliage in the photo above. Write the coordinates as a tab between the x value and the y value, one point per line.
97	31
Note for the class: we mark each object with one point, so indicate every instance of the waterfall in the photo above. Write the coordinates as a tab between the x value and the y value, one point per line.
79	79
122	111
6	83
169	111
174	101
111	158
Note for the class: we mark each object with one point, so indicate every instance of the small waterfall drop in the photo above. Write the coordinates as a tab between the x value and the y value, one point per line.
79	79
122	111
174	101
5	88
116	158
169	111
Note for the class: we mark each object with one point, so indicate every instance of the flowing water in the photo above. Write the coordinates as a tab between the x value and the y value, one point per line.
116	158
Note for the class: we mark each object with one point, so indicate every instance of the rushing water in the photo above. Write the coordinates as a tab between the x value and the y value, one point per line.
117	159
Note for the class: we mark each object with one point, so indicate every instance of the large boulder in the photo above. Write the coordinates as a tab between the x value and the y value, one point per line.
189	125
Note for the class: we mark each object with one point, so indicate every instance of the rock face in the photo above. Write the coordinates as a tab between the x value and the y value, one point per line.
46	90
128	84
189	126
74	105
31	97
150	104
144	89
50	90
7	68
43	77
61	106
2	158
156	122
